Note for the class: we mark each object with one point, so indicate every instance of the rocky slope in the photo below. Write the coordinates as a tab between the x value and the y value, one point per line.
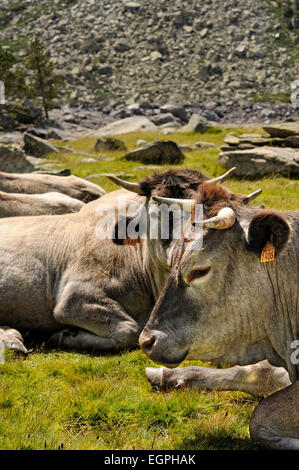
157	51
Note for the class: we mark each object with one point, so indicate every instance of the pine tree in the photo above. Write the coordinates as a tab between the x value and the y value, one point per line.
45	82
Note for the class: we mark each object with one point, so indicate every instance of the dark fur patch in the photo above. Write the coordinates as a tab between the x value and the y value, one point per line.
214	197
183	184
268	226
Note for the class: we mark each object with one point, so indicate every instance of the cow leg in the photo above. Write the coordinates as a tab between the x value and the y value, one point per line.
103	325
11	339
275	421
258	379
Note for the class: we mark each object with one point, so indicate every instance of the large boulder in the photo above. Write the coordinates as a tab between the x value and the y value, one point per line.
282	130
159	152
14	160
38	147
196	123
123	126
262	161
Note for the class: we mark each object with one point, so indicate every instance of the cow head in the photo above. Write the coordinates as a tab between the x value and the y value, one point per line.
176	183
218	303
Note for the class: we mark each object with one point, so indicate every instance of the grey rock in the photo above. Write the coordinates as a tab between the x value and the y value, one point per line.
283	129
109	143
123	126
196	123
37	147
159	152
262	161
162	118
13	160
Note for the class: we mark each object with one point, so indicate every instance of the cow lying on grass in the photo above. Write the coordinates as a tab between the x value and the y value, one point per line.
56	274
233	299
34	183
13	205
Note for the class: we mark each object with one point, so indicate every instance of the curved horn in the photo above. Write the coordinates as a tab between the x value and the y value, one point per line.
183	203
225	219
252	196
221	178
134	187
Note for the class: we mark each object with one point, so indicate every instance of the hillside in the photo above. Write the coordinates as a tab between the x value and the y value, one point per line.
184	51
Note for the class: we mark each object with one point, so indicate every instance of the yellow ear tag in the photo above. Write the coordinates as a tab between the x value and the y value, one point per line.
268	253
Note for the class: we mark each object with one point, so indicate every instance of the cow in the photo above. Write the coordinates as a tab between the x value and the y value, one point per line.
16	204
92	294
233	298
34	183
56	273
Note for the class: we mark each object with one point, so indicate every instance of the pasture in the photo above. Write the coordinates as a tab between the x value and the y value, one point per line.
69	400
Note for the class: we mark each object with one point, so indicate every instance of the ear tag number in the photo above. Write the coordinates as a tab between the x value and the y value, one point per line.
268	253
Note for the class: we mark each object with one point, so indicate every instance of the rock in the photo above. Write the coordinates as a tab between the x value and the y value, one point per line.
196	123
37	147
262	161
88	160
48	133
13	160
176	110
186	147
160	119
122	46
285	129
158	152
231	140
141	142
205	145
156	55
123	126
292	141
109	143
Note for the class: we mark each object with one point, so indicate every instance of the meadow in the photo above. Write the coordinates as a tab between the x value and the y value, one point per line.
69	400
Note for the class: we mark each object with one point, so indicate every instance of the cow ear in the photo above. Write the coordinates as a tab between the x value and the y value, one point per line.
268	226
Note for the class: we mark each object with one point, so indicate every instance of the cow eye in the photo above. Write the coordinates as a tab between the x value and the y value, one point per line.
198	273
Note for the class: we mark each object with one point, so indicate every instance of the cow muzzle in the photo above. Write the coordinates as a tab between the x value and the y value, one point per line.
156	346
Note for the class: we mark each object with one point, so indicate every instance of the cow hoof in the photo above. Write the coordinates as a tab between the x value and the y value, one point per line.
11	339
58	339
154	375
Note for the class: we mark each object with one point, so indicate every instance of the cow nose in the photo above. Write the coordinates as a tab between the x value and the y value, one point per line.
147	342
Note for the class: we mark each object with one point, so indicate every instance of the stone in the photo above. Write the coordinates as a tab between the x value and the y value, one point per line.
284	129
262	161
176	110
161	118
196	123
205	145
13	160
123	126
159	152
109	143
122	46
37	147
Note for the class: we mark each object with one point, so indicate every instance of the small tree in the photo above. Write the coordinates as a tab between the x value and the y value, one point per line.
45	82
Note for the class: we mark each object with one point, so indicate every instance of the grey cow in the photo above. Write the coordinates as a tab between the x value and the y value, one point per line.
13	205
234	299
34	183
56	273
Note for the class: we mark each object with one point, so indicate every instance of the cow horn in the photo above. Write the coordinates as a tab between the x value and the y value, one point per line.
223	177
183	203
252	196
225	218
134	187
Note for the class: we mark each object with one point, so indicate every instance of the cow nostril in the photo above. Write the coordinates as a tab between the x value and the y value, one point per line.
147	343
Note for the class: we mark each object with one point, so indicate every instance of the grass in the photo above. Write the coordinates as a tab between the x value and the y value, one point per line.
75	401
71	400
